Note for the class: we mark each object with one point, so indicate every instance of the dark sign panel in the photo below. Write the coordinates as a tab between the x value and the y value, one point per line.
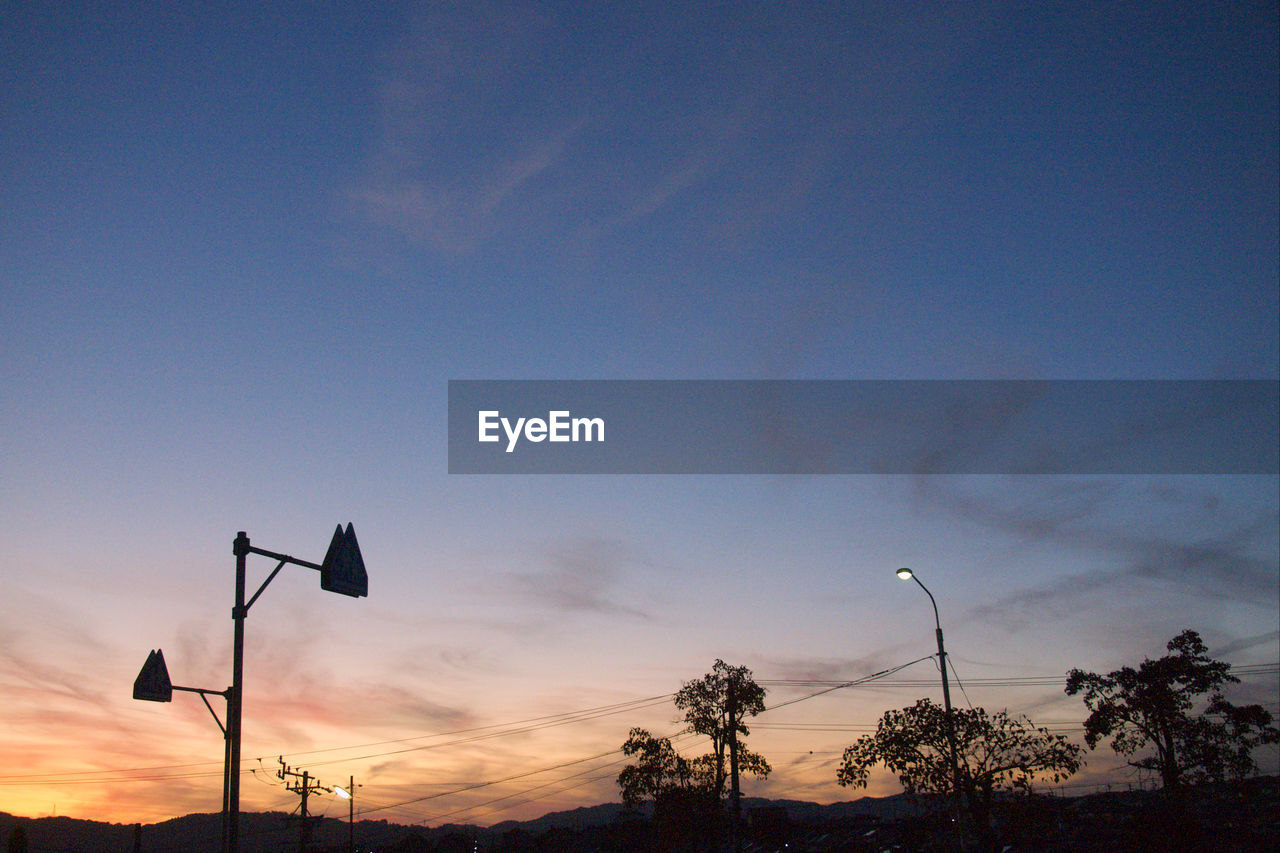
343	567
152	683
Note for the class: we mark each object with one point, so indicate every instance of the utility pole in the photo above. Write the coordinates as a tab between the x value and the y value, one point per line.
303	788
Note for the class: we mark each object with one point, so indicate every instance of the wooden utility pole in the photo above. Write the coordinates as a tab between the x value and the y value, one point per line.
303	788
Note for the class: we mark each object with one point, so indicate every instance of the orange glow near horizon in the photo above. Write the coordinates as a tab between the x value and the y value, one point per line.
127	762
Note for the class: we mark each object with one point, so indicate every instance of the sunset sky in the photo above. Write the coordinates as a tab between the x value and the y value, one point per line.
244	249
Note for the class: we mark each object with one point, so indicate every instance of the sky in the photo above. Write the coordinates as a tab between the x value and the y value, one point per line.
243	250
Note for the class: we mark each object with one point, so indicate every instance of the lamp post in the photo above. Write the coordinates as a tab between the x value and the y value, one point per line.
342	571
153	685
906	574
349	794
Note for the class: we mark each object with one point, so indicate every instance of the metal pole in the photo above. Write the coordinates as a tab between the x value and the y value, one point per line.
351	815
226	777
736	792
946	704
241	549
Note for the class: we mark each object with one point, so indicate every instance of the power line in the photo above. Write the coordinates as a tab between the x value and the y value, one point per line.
843	684
959	683
831	686
154	773
834	686
682	735
550	722
490	731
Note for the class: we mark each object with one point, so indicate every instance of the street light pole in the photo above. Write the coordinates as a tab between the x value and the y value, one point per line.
349	794
351	814
342	571
241	549
154	685
906	574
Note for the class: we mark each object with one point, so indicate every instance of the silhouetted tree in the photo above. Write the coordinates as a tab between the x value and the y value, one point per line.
658	770
685	807
1153	707
687	793
995	752
716	705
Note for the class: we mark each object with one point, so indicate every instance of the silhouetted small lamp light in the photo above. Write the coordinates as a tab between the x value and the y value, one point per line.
905	574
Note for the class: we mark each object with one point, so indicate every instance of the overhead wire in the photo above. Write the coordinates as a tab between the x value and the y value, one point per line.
496	730
101	776
830	689
677	736
552	721
1036	681
951	663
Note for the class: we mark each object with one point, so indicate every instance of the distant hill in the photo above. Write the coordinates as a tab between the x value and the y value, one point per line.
268	832
884	808
1230	817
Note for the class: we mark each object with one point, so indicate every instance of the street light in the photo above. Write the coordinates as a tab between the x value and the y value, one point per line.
908	575
153	685
342	571
349	794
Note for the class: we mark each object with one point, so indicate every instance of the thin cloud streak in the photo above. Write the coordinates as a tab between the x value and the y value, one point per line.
1222	562
584	577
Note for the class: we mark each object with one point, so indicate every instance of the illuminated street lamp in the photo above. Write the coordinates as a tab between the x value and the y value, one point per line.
907	575
349	794
342	571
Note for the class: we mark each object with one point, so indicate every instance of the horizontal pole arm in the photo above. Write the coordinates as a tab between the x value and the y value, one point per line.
204	697
285	558
202	691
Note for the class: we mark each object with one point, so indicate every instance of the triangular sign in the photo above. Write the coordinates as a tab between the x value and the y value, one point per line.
343	567
152	684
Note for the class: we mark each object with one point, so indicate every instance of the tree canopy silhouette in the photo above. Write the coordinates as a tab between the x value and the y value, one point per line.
659	770
1153	707
994	751
687	793
716	705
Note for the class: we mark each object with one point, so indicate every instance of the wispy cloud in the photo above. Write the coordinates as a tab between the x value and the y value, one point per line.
458	213
452	150
827	669
580	576
1244	643
1186	539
